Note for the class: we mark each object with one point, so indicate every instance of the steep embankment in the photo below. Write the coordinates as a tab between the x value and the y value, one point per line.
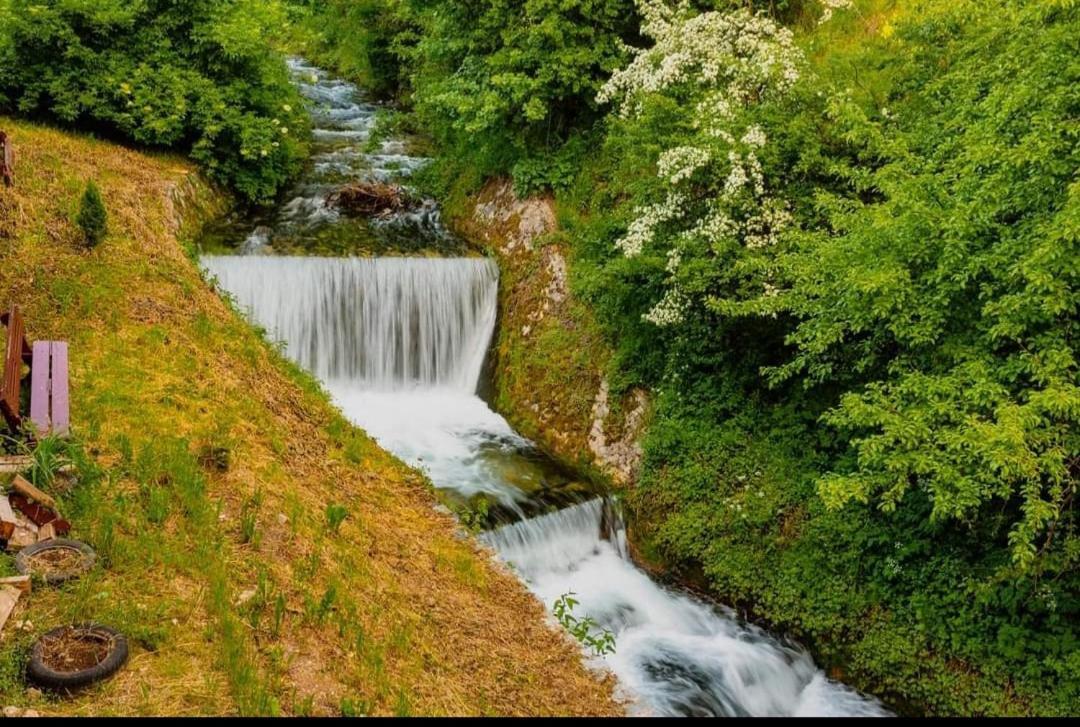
213	464
550	358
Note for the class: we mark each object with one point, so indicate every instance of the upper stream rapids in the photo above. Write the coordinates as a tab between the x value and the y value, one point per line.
400	343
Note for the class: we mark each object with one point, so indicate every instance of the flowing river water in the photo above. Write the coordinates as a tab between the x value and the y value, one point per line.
400	343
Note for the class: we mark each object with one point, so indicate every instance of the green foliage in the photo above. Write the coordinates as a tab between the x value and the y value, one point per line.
335	515
528	70
194	75
555	171
965	252
249	518
599	642
354	707
923	308
92	218
495	82
365	39
473	516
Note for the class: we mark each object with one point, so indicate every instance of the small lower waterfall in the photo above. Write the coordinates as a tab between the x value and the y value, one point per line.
382	324
678	655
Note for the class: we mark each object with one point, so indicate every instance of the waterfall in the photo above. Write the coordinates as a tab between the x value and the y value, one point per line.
384	324
679	655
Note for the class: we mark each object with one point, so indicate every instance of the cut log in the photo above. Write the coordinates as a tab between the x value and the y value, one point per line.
21	484
9	596
7	519
20	582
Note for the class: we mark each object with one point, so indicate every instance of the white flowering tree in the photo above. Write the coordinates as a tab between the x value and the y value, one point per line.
713	203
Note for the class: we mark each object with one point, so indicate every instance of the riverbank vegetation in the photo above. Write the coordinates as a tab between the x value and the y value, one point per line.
838	241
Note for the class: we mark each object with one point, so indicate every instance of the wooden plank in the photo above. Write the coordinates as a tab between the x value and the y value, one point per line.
15	463
7	160
39	387
7	518
8	598
46	532
21	484
58	385
22	583
26	533
13	362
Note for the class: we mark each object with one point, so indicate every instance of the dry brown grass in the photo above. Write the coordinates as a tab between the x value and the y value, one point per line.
394	613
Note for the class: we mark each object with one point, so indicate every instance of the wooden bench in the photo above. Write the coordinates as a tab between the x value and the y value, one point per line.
48	362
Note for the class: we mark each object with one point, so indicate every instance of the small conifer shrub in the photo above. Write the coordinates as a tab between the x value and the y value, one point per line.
92	219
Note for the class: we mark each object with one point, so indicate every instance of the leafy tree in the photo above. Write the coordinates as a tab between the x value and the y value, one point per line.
953	280
191	74
503	80
366	39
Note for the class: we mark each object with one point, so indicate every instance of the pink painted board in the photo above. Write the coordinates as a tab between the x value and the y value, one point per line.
39	386
61	416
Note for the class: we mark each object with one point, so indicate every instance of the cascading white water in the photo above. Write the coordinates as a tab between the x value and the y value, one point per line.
676	654
400	345
380	324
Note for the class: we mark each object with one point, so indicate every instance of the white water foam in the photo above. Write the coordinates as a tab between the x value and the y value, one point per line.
676	654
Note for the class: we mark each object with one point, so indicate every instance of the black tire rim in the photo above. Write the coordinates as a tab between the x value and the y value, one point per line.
29	560
42	671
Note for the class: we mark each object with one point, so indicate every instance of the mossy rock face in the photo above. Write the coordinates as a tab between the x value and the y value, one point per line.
549	354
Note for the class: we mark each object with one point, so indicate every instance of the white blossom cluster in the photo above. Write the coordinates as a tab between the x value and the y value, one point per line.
727	61
650	217
670	310
715	226
830	7
680	163
761	230
744	54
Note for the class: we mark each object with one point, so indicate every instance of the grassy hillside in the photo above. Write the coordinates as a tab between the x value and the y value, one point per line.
210	464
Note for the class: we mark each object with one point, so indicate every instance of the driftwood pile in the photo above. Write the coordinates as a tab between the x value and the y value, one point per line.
371	199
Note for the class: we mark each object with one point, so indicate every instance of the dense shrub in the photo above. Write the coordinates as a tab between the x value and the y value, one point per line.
197	75
499	85
367	40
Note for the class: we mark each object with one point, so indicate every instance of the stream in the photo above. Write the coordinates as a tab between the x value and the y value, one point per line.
401	342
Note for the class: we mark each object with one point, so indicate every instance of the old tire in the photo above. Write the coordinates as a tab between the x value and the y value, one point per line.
25	565
50	678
